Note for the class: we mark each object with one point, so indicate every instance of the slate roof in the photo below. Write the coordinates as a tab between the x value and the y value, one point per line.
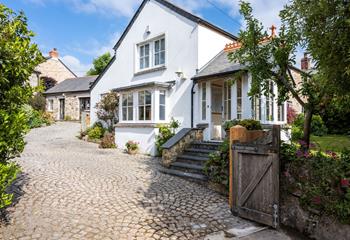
219	65
79	84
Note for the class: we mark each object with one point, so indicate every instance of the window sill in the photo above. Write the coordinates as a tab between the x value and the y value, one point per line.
150	70
135	125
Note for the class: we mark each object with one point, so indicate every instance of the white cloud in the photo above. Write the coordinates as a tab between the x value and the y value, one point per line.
75	65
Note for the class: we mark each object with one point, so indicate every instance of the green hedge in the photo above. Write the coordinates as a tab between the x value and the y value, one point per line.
8	173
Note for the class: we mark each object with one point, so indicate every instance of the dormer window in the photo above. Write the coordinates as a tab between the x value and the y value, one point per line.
151	54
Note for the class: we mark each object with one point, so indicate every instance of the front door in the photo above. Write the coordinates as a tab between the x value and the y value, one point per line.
61	109
216	111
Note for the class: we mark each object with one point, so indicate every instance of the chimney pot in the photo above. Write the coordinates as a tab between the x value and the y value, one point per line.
305	62
53	53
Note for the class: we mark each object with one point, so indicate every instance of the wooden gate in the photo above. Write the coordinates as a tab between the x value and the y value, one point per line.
255	178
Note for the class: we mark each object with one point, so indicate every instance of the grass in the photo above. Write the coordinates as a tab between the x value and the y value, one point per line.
334	143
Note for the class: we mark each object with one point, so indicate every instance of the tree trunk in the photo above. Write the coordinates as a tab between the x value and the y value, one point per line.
307	126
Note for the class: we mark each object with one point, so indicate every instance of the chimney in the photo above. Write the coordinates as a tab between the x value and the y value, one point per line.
305	62
53	53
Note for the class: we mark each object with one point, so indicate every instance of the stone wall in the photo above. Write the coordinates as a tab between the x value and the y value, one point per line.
180	142
52	68
72	105
310	222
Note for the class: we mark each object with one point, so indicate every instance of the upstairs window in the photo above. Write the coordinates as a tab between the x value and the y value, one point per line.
151	54
145	105
144	56
127	107
159	52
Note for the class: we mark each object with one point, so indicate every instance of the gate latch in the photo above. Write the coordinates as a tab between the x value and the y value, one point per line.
275	215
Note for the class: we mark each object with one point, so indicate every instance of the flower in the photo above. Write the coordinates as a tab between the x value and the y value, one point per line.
344	183
316	200
307	154
331	154
299	153
302	143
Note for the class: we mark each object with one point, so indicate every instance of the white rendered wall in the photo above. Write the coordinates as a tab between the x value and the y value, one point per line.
144	136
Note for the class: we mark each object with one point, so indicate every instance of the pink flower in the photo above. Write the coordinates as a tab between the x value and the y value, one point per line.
316	200
299	153
344	183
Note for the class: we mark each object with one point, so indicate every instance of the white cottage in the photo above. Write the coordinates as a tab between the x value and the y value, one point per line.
166	65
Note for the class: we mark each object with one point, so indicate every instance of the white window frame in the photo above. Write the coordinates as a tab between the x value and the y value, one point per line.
144	56
203	98
269	103
151	55
256	108
227	101
144	105
159	52
239	96
50	105
127	106
281	109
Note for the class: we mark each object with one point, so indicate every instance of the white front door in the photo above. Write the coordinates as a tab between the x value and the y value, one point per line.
216	111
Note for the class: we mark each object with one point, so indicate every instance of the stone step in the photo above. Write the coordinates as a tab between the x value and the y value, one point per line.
198	151
192	158
187	166
187	175
206	145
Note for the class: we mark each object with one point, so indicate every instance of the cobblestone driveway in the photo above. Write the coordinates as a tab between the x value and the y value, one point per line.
73	190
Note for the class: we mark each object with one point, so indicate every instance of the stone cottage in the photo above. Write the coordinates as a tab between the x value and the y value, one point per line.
52	69
68	99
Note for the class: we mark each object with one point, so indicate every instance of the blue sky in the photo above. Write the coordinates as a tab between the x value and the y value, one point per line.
84	29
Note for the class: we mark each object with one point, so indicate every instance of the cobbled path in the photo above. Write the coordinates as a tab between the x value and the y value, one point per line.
70	189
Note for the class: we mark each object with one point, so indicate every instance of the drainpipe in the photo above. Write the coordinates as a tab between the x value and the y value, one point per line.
192	93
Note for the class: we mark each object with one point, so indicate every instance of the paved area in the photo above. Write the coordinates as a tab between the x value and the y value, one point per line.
70	189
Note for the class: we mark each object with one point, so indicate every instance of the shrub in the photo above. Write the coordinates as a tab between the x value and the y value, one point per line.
166	131
107	109
67	118
318	127
36	118
108	141
38	102
217	167
249	124
132	145
297	133
8	173
322	178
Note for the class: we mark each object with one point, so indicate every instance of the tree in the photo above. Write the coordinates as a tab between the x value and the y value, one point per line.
48	82
18	58
99	64
269	58
107	109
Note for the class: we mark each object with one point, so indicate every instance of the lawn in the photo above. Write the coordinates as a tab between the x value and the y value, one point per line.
334	143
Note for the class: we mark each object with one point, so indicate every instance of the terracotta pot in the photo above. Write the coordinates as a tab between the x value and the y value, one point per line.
132	151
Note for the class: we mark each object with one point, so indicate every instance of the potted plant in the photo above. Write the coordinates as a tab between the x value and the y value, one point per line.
132	147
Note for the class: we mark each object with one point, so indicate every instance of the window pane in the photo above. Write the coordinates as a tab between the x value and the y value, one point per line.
142	63
130	113
124	99
162	97
148	97
124	113
162	44
162	112
204	112
141	113
156	46
130	100
148	113
146	65
147	50
162	58
141	98
156	59
142	51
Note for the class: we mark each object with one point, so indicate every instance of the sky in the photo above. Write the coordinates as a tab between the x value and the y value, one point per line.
81	30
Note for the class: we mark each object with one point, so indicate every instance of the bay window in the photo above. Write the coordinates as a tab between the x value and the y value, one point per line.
227	100
281	112
127	107
270	103
256	108
145	105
